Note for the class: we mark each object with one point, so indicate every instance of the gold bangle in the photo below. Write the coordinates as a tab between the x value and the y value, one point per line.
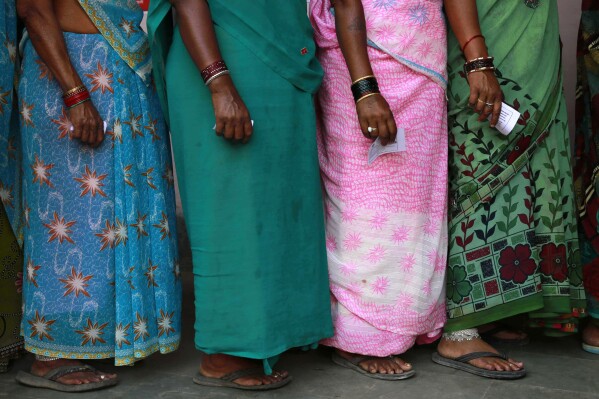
362	78
481	70
366	96
74	90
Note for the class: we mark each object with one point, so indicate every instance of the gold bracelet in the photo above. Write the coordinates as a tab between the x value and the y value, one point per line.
74	90
481	70
366	96
362	78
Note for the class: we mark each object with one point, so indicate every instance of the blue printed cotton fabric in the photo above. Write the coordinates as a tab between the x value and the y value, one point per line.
101	275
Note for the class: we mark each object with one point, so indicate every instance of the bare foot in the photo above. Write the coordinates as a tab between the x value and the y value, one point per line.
381	365
590	335
454	349
507	334
217	366
40	369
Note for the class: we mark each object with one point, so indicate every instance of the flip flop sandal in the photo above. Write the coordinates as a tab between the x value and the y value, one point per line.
49	380
354	364
490	338
590	348
227	381
461	363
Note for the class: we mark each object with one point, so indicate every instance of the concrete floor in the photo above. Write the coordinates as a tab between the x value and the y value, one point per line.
557	369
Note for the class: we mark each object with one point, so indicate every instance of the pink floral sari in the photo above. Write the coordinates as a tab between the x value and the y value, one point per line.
386	222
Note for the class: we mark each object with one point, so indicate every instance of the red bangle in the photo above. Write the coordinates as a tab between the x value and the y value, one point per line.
76	99
470	40
216	68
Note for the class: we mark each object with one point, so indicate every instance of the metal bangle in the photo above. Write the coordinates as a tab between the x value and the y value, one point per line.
216	76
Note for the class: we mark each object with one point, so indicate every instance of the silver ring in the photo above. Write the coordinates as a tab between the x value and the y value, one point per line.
371	129
102	377
489	104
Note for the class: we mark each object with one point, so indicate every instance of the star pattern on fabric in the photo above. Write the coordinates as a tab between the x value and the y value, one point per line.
127	175
151	128
116	133
107	236
140	328
45	72
27	113
163	226
165	323
41	172
3	100
40	328
32	272
128	27
6	195
151	274
140	225
64	124
92	332
91	183
134	123
59	229
101	80
76	283
121	334
149	178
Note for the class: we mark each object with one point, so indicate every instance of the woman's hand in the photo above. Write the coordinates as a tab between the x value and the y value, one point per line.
374	112
233	120
485	95
87	124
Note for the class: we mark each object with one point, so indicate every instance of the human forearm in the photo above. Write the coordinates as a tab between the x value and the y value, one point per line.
463	19
47	39
350	24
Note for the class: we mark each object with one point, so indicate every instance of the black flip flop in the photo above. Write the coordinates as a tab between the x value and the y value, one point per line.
227	381
489	336
354	364
48	381
461	363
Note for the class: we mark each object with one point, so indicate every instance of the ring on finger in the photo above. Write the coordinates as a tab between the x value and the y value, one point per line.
489	105
372	129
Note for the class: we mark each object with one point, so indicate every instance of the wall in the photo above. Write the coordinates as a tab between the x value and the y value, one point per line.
569	13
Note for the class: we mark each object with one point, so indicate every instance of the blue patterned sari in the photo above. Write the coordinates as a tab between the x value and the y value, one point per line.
101	277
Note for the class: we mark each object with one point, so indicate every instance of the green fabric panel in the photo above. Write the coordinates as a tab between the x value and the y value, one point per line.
253	212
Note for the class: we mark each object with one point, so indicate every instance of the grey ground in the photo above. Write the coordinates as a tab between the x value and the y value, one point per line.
557	368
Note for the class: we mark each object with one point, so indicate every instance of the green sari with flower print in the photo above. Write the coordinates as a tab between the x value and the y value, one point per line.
513	231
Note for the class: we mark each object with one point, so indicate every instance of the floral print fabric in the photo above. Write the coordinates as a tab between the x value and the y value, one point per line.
386	223
101	274
513	244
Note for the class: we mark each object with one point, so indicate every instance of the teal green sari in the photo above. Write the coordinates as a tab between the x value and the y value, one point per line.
253	212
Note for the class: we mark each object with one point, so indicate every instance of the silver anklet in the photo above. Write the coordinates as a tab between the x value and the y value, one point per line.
462	335
45	358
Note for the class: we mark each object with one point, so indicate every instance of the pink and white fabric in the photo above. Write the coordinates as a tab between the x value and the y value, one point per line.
386	222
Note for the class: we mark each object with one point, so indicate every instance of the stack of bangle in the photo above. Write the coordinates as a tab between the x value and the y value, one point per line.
213	71
364	87
76	96
479	64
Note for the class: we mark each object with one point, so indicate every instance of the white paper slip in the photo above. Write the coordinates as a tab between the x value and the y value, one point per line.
507	119
377	149
105	127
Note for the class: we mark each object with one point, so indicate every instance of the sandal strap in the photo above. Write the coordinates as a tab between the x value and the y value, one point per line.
58	372
251	372
477	355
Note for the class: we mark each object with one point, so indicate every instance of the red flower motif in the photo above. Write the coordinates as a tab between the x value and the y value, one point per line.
521	146
590	274
553	261
516	264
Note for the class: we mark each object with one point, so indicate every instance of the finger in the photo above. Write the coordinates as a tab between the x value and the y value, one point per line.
480	103
248	130
487	109
364	127
472	100
85	128
219	127
239	134
383	132
99	134
496	112
392	129
229	131
372	130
